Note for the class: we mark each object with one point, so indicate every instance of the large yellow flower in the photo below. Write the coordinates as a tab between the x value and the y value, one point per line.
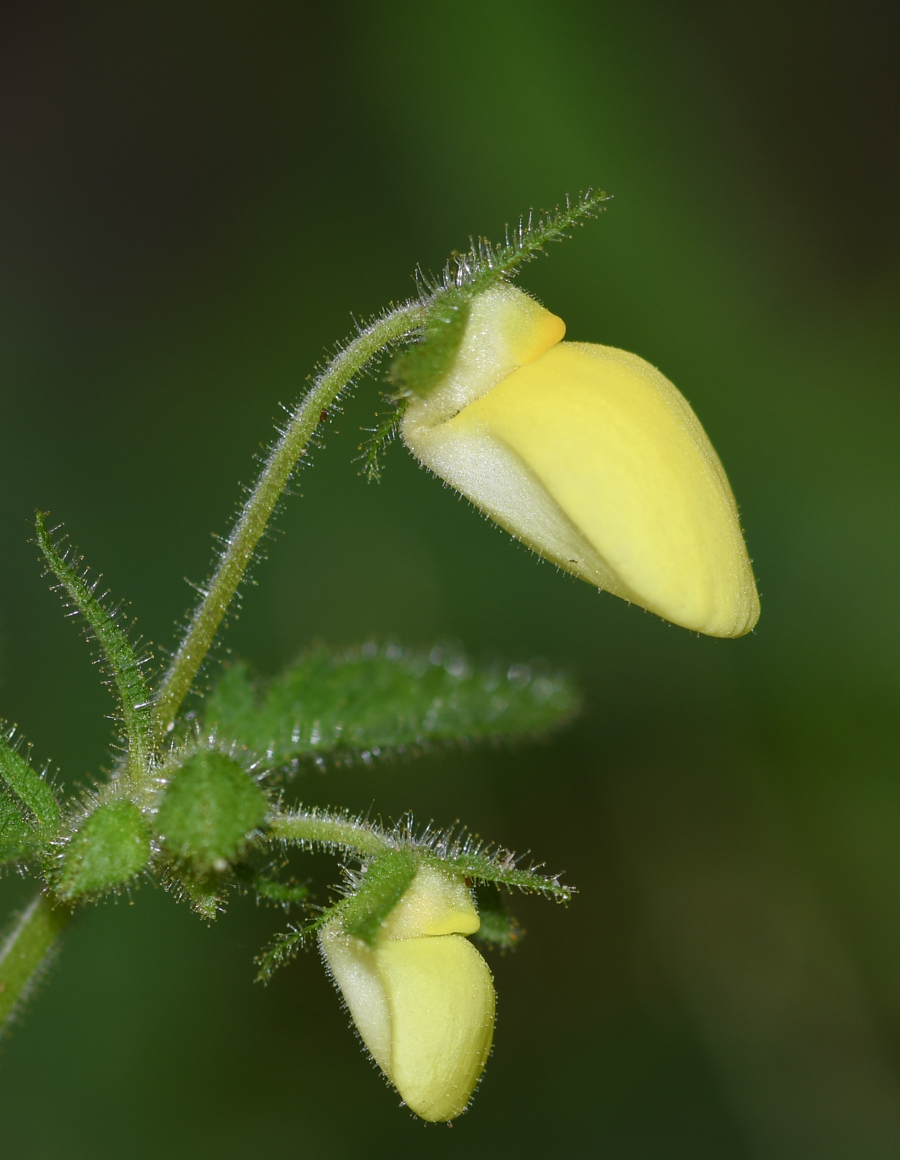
422	997
592	458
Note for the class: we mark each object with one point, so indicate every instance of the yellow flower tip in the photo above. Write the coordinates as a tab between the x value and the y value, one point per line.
594	459
422	997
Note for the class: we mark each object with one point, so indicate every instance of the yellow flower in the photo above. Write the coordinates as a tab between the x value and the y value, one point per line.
592	458
422	997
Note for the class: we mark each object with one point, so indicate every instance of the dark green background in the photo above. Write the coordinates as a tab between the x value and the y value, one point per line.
193	198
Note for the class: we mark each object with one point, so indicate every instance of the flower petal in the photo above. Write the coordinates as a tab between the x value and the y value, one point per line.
441	998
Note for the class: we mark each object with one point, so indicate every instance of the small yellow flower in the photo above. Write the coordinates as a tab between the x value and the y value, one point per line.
592	458
422	997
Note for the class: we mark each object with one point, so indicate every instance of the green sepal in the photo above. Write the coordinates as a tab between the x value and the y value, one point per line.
284	894
499	927
204	897
425	363
27	789
369	701
375	893
383	433
484	864
209	812
387	878
109	849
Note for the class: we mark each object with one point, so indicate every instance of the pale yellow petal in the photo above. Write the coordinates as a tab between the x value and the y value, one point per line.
622	454
506	329
441	998
353	968
435	903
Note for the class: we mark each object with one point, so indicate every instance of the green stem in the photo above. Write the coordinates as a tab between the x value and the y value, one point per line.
255	515
320	829
26	949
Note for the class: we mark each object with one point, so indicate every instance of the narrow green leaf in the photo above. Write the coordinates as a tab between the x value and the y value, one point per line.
123	665
281	893
286	946
486	263
482	864
383	433
26	786
370	701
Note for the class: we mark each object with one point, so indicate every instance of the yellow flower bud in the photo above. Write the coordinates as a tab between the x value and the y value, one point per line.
592	458
422	997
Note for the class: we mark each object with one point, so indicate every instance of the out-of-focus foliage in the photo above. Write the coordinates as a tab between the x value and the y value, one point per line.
372	701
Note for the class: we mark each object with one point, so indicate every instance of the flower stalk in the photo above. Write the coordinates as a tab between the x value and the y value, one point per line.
257	511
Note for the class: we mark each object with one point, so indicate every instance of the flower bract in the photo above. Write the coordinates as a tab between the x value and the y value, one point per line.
420	994
591	457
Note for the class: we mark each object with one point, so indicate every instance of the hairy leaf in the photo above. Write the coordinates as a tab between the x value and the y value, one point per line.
18	836
111	846
371	701
29	792
123	665
209	810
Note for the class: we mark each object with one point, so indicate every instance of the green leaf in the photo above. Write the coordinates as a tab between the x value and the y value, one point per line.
485	864
18	837
29	791
208	813
110	847
370	701
486	263
123	665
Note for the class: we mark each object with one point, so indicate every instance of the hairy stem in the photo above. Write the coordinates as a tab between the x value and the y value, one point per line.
26	949
255	515
309	827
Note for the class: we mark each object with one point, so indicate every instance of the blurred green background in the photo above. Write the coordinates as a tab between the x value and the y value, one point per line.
193	198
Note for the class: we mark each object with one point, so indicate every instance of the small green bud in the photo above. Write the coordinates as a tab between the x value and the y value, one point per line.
112	845
209	810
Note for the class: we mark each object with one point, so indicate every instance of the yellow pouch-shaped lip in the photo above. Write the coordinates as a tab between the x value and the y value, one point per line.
591	457
622	454
422	997
441	999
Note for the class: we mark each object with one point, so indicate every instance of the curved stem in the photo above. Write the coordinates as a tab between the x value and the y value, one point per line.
25	951
311	827
255	515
